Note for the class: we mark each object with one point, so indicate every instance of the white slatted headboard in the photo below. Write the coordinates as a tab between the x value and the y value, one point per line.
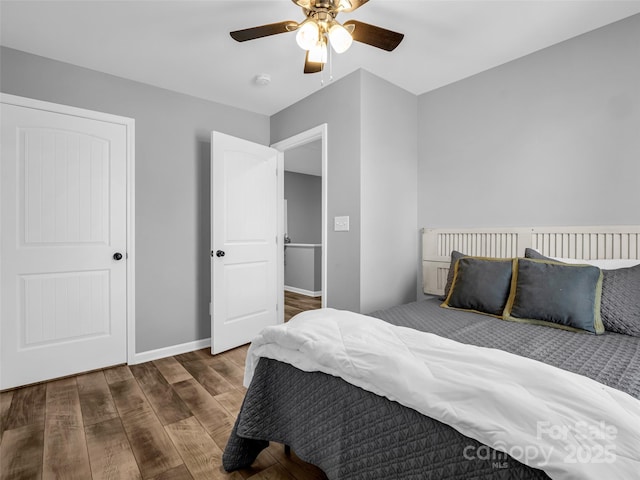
586	243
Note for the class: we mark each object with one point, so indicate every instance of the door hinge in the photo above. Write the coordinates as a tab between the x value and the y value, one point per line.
210	309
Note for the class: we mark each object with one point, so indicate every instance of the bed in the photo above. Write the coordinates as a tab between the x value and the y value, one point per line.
350	432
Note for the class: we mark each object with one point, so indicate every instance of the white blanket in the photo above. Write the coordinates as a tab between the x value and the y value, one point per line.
565	424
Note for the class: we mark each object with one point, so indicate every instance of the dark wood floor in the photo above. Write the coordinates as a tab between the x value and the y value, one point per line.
295	303
166	419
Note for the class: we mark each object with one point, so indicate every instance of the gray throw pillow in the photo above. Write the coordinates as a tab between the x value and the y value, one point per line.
531	253
620	307
556	294
455	256
620	303
480	284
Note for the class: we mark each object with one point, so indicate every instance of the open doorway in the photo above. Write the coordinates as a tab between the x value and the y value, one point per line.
303	258
303	228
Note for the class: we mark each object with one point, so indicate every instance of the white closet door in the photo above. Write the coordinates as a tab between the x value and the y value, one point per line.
64	233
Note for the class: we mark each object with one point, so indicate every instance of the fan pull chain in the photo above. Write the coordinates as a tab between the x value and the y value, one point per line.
330	64
328	61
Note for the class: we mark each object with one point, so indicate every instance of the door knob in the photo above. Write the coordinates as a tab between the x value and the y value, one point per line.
220	253
117	256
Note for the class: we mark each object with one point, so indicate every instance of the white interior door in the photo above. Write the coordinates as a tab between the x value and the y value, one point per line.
244	231
64	213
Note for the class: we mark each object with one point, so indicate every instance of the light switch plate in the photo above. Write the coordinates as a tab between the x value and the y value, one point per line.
341	224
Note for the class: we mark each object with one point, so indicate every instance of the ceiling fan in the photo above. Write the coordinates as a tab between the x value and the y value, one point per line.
320	28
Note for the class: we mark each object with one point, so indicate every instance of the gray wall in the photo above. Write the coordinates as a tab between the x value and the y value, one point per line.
304	207
303	268
338	105
389	195
372	164
172	183
549	139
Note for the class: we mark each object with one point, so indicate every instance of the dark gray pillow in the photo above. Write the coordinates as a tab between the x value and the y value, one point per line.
620	307
556	294
455	256
480	284
620	303
531	253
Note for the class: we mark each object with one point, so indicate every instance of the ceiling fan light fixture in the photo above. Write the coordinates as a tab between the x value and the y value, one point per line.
340	38
318	54
320	28
308	35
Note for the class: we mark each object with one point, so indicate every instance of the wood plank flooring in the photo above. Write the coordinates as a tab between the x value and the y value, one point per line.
160	420
295	303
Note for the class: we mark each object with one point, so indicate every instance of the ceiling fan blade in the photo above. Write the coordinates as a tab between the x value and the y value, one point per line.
354	5
312	67
264	31
375	36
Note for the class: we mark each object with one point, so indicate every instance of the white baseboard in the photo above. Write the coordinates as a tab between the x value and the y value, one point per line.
169	351
301	291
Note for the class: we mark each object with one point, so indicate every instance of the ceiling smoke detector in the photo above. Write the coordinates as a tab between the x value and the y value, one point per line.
263	79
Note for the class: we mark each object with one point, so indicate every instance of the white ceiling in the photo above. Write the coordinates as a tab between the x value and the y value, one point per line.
185	46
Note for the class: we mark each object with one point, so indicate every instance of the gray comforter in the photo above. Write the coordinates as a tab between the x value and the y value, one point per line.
354	434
